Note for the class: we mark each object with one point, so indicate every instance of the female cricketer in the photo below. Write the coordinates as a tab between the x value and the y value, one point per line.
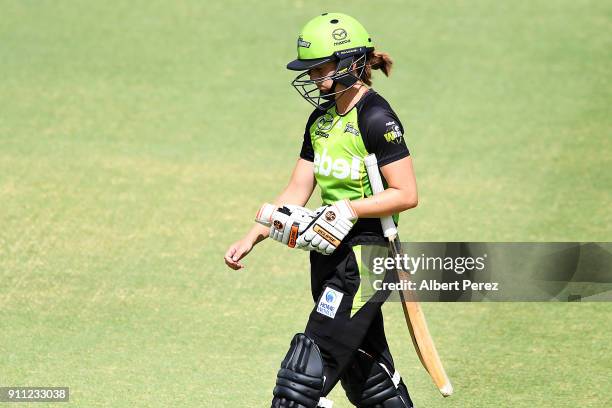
344	338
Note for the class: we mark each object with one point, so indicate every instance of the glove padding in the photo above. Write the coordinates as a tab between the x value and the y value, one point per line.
328	228
286	222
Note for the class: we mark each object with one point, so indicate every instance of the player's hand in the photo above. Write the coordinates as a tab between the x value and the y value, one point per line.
236	252
328	228
286	223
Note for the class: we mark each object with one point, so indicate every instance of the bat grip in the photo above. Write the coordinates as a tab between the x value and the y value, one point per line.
388	226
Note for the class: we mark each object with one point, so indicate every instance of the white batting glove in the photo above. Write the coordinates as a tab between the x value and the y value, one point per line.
328	228
286	222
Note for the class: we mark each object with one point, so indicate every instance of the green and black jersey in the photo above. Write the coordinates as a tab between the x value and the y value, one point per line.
337	145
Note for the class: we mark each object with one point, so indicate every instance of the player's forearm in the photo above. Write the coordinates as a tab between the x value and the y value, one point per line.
391	201
258	233
296	195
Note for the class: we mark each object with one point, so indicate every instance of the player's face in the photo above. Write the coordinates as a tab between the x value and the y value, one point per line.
322	71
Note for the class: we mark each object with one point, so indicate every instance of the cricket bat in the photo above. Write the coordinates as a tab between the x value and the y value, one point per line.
415	319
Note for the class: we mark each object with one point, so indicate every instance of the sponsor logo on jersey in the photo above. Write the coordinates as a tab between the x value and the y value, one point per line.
325	122
393	133
351	129
330	302
339	168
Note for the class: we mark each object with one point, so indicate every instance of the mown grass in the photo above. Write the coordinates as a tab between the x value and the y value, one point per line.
138	139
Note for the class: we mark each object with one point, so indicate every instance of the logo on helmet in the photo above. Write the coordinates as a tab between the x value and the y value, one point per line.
302	43
339	34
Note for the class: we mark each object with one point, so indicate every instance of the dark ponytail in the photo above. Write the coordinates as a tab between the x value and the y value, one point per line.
376	60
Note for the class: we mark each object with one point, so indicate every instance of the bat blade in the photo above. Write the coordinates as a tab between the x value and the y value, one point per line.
419	332
415	318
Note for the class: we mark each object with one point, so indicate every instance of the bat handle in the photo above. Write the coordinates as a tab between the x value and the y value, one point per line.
388	225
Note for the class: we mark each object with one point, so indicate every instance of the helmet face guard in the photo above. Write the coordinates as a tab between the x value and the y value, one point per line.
330	37
344	74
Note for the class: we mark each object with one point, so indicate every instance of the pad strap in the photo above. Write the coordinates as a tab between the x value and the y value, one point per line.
369	383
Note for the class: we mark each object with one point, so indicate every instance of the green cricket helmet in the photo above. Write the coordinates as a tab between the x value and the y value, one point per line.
330	37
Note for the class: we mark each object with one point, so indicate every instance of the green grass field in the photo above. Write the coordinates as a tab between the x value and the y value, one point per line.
138	139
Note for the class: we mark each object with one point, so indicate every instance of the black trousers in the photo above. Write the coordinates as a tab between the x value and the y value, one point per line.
343	319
